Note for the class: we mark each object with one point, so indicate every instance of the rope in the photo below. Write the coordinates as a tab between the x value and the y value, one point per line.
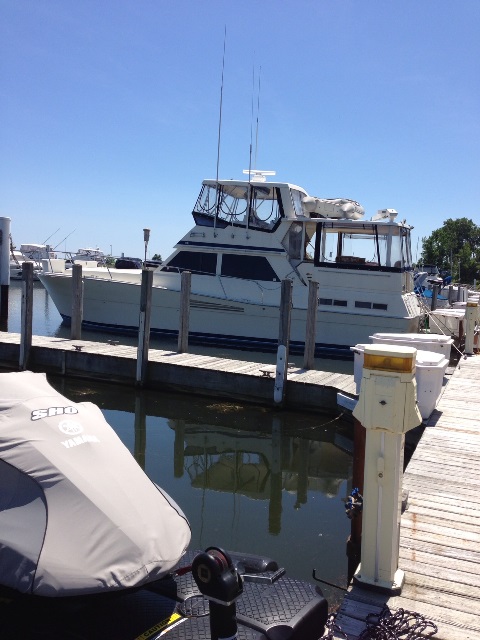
402	625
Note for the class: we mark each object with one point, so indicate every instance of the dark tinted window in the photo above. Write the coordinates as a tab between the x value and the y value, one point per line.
247	267
194	261
128	263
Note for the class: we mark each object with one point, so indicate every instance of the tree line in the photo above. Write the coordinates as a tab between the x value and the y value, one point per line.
454	249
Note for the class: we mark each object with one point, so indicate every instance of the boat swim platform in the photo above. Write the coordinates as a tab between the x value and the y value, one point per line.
252	382
440	529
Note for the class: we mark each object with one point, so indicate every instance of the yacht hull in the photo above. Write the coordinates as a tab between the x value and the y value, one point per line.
113	306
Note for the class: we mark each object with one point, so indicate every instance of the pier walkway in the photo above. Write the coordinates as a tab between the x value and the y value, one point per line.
440	530
183	372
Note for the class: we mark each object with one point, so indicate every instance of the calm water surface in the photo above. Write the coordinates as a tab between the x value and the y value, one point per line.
248	478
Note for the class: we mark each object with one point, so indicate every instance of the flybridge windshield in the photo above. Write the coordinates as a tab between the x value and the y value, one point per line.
363	245
251	206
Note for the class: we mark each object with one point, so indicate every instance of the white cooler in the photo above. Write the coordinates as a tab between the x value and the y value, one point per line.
448	321
430	369
424	341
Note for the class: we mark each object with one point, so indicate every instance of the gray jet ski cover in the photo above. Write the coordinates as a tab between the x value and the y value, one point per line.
77	513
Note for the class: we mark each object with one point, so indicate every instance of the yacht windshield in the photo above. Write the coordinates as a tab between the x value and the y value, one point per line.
246	205
362	245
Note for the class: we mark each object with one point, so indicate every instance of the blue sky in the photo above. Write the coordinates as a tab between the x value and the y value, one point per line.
109	110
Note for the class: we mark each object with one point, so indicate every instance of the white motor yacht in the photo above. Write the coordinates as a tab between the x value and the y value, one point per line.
248	236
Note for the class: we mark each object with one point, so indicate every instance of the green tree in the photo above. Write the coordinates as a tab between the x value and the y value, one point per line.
158	257
455	248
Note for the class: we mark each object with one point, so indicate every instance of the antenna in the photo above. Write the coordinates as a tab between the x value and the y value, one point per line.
258	112
64	239
45	241
249	171
217	204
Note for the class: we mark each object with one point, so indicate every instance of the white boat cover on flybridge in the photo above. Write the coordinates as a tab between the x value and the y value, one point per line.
77	513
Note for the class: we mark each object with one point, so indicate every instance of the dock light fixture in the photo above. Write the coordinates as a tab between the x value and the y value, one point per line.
146	238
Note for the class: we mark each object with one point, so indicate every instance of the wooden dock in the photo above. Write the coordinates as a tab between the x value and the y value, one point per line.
440	530
307	389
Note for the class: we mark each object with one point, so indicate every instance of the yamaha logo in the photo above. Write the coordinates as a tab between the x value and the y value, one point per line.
70	428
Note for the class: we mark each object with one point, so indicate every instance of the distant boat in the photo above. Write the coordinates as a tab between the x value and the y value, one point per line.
34	253
89	255
248	236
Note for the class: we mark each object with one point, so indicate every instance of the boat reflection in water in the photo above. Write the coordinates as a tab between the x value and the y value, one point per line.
248	478
260	468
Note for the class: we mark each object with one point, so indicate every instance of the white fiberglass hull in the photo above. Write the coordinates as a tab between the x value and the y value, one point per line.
113	305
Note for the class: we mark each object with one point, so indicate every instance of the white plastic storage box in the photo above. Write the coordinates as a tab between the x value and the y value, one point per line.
424	341
447	321
430	369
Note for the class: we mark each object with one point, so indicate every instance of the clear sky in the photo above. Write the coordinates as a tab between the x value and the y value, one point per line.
109	110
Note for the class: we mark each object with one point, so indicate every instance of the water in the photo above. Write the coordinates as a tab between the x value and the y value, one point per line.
248	478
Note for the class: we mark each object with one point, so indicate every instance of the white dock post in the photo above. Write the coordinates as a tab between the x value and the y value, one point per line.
77	303
185	288
144	325
26	315
387	409
470	321
309	353
283	342
4	266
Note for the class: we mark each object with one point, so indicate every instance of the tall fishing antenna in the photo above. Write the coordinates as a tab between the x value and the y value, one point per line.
64	239
258	112
45	241
249	194
217	204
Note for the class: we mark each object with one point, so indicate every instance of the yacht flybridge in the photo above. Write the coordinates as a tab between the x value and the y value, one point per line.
248	236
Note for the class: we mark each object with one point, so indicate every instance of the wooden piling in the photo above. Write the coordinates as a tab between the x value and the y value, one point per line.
186	283
435	290
285	313
77	303
283	342
26	315
309	353
144	326
354	541
4	268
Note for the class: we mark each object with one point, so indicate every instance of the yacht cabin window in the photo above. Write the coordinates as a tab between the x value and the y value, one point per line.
244	205
362	245
198	262
247	267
